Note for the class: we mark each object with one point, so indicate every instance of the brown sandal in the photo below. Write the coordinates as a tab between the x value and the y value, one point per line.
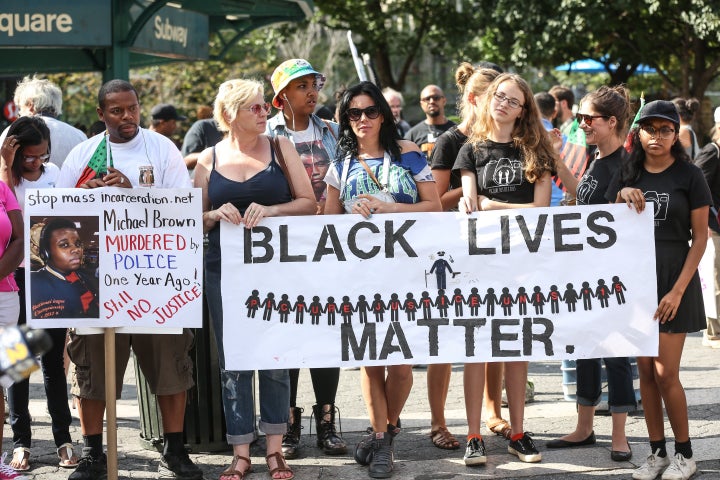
443	439
501	428
282	466
232	469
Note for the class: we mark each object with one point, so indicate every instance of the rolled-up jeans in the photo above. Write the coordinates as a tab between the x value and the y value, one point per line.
621	395
237	385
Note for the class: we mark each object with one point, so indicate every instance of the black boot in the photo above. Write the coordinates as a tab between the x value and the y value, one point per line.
291	439
327	437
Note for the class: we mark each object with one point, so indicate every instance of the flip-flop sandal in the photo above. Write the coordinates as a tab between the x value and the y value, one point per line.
20	455
501	428
443	439
68	462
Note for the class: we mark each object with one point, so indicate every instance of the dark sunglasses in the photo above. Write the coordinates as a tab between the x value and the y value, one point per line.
434	98
371	112
588	119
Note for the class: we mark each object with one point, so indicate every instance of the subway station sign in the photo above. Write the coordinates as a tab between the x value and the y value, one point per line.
175	33
53	23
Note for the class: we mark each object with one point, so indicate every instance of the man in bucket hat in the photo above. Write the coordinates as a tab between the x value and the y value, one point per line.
296	85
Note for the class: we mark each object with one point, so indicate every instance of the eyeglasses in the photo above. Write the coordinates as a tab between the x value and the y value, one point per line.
588	119
258	109
32	158
664	132
429	98
512	102
372	112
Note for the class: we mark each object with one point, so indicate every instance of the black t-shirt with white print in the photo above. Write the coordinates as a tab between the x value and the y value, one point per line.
594	183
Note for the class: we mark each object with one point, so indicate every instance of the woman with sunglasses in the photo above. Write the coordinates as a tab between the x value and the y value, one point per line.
30	169
659	170
472	83
242	183
370	153
296	85
603	115
507	162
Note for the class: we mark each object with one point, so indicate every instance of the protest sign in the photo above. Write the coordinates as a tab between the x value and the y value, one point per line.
529	284
114	257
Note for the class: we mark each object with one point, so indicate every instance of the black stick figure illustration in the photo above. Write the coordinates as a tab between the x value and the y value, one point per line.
410	306
331	309
394	306
490	301
618	288
586	294
252	303
506	301
570	297
362	307
300	308
474	301
284	307
554	297
442	302
522	299
268	305
315	309
378	308
439	268
458	300
538	300
346	309
602	292
427	304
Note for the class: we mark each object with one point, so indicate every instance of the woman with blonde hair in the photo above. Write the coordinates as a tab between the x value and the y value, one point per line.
509	136
472	83
243	182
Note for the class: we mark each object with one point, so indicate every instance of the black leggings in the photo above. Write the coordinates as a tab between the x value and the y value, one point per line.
325	384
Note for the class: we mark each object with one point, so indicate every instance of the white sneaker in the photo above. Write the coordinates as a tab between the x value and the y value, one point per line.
681	468
652	467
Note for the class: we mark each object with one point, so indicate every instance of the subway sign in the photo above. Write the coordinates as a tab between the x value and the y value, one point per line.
175	33
52	23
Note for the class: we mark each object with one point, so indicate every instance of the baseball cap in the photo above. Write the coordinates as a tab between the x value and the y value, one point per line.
165	111
660	109
288	71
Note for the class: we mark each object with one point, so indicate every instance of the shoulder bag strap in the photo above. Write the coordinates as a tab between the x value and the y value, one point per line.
275	146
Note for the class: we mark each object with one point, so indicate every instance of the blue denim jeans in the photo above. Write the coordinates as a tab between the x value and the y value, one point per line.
237	386
621	395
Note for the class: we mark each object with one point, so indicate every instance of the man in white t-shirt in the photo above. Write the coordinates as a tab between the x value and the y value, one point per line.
36	96
164	359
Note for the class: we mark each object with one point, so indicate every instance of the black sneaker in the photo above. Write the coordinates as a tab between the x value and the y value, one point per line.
179	465
524	449
90	467
475	452
381	465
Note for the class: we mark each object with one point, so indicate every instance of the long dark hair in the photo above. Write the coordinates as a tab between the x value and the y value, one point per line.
389	137
633	166
28	131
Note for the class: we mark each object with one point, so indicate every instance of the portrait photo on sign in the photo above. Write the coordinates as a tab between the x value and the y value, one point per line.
64	267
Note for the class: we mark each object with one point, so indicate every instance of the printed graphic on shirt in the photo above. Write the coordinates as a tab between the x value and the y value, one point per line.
661	202
316	161
400	183
586	188
503	175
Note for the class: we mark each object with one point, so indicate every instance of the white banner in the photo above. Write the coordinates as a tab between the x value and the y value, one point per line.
132	258
530	284
706	270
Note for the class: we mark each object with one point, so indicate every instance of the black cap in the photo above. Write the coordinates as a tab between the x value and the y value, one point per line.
660	109
165	111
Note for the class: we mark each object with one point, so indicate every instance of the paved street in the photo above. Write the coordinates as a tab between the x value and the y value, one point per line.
549	416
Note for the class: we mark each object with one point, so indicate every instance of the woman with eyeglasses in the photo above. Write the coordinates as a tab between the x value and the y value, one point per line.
472	83
658	170
394	173
603	115
296	85
507	162
243	182
30	169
